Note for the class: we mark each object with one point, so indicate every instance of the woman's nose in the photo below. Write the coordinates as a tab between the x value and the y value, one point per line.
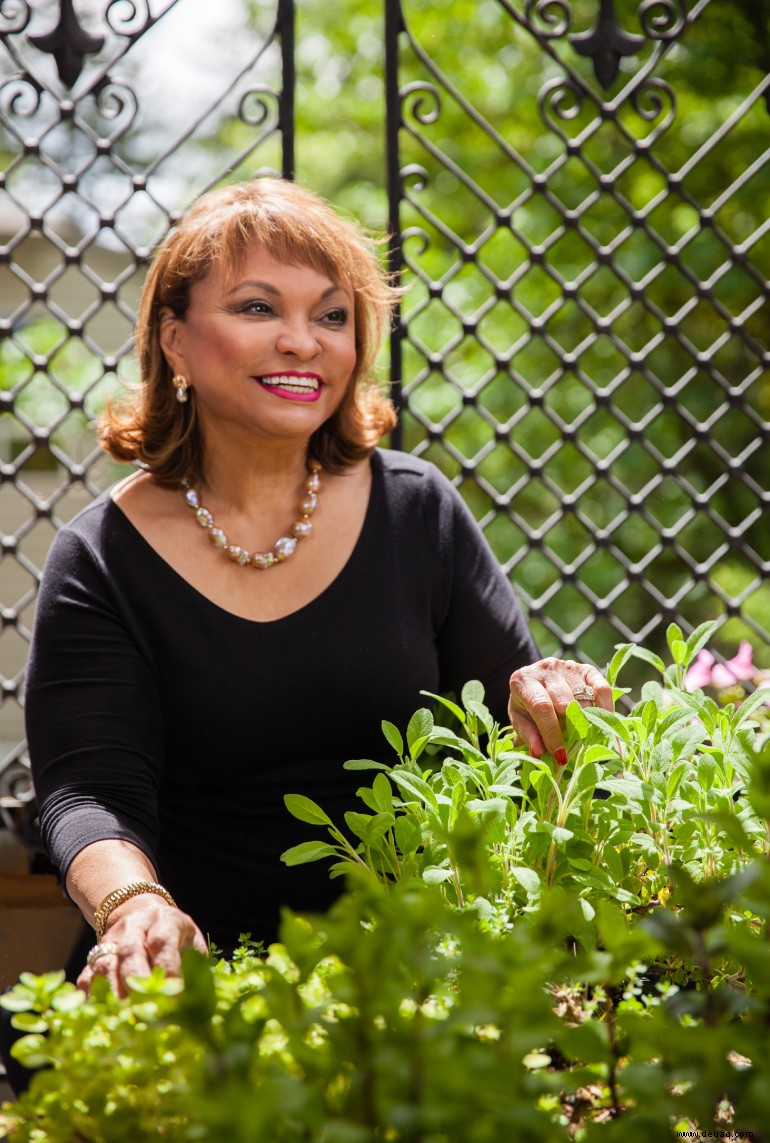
298	338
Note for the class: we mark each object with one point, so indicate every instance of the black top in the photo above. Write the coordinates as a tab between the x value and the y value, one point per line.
155	716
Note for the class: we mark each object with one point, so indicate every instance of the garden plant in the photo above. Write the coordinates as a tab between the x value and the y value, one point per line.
522	951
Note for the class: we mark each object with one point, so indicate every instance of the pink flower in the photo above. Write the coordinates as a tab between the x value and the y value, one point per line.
706	673
699	674
744	661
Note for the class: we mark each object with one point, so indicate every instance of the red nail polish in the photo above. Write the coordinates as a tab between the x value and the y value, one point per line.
561	757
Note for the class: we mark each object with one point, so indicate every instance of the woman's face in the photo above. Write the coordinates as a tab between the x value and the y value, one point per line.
269	351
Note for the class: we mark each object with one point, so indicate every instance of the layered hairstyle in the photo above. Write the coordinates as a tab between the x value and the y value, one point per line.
297	227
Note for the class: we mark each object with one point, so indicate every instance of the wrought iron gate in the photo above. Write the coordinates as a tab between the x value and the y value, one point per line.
578	194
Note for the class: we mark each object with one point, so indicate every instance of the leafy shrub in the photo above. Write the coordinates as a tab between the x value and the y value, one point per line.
522	952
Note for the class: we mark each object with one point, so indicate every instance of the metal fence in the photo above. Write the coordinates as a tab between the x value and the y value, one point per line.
578	195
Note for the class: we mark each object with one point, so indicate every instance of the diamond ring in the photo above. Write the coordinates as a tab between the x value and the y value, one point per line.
107	948
586	693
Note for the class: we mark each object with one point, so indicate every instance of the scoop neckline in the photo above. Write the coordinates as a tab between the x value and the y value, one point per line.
362	538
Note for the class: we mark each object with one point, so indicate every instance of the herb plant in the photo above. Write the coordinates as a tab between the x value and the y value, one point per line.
523	951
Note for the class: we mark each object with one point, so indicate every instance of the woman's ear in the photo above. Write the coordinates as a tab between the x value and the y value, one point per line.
171	340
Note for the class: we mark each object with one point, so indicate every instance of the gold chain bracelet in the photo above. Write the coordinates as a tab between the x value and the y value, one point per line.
118	896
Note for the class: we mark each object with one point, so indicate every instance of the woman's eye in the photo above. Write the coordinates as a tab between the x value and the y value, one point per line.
256	307
336	317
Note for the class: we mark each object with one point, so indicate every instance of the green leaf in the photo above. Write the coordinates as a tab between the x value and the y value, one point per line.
364	764
383	793
588	776
750	704
308	851
632	788
434	875
728	824
506	789
699	638
612	860
527	878
649	715
29	1022
679	651
306	810
367	797
674	780
473	691
68	999
587	1042
575	716
558	833
599	753
442	737
408	835
609	720
32	1051
649	657
485	806
674	635
415	786
482	714
393	735
622	653
707	769
378	827
420	726
455	709
587	909
358	823
339	869
15	1001
416	748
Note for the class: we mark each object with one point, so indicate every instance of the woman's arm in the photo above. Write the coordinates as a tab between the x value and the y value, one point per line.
95	732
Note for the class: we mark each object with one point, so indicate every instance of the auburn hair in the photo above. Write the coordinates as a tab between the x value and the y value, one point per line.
297	227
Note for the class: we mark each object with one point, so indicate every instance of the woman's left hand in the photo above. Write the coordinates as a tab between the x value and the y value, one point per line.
541	693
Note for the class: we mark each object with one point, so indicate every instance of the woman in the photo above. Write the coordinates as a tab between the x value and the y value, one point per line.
178	688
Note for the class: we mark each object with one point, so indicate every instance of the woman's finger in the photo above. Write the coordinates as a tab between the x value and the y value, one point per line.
601	688
528	732
165	943
544	706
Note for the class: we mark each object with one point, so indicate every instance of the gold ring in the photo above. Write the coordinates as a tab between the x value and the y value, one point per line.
584	692
107	948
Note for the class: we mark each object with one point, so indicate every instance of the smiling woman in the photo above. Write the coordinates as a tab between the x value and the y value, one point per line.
174	696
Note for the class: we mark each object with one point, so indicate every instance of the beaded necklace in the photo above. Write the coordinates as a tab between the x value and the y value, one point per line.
284	546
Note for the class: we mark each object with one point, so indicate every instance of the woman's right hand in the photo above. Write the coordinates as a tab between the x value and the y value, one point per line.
141	933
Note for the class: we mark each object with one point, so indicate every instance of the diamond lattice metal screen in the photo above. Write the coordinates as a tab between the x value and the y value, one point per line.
583	216
113	118
578	195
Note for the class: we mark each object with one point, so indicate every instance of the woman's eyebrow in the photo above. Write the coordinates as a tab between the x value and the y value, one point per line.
252	283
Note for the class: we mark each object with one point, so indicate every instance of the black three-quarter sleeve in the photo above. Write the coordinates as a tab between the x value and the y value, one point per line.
93	723
483	633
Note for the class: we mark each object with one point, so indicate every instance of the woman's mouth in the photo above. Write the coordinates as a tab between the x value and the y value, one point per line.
292	386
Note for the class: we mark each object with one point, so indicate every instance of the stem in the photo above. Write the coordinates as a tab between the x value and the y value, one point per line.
456	882
551	866
612	1070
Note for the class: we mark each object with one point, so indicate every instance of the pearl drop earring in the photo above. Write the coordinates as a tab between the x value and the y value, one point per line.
180	384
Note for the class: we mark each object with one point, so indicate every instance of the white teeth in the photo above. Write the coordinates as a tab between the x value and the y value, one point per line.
293	384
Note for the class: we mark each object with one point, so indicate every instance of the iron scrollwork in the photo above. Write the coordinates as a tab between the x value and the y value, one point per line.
68	43
607	43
